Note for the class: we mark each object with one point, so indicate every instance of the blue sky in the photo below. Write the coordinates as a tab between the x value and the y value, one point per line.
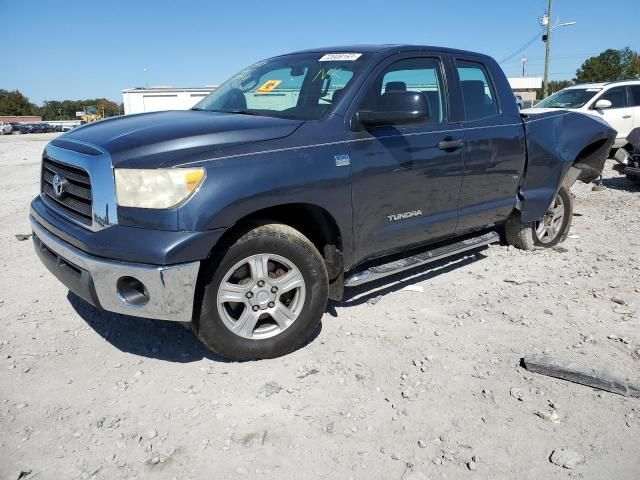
83	49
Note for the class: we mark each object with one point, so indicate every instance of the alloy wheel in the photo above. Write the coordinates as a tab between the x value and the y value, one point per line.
261	296
548	229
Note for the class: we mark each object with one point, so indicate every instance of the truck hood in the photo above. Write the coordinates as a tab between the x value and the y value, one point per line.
162	139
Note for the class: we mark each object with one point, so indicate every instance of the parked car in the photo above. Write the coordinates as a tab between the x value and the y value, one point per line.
34	128
302	175
18	128
519	101
5	128
618	103
628	158
47	127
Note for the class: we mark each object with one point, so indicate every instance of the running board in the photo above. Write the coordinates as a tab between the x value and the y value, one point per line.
391	268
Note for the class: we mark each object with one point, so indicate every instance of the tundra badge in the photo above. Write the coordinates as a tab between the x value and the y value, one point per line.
403	216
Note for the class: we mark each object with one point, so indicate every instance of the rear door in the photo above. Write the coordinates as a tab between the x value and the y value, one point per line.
405	186
494	152
634	99
620	114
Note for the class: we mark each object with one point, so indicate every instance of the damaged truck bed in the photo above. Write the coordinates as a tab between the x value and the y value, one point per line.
562	147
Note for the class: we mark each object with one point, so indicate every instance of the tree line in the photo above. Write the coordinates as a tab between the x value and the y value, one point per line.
623	64
15	103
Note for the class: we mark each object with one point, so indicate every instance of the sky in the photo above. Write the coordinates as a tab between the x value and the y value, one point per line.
76	49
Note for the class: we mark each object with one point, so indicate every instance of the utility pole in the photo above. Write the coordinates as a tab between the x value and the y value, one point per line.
545	84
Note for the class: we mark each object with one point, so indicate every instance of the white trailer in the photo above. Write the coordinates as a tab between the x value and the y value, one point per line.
155	99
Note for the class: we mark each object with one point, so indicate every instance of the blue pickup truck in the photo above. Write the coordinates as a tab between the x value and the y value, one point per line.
301	175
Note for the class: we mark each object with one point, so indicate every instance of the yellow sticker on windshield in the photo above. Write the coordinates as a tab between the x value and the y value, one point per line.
268	86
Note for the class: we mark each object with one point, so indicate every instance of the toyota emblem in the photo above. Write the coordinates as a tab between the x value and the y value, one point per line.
58	185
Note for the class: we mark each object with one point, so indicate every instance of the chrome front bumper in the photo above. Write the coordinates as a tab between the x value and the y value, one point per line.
170	289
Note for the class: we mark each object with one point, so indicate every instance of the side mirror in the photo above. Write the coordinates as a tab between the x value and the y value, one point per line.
602	104
396	108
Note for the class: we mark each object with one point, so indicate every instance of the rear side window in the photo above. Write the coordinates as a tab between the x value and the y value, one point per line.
478	93
617	96
635	95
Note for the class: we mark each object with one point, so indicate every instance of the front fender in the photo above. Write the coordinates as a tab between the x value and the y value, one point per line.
240	186
561	147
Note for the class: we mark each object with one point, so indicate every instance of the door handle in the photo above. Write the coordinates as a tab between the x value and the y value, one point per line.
626	116
450	144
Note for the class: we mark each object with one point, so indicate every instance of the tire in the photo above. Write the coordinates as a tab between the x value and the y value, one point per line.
518	233
263	323
548	232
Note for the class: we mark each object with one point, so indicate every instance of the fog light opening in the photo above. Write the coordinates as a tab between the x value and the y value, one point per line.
132	292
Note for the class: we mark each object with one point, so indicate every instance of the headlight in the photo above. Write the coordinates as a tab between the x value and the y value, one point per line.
156	188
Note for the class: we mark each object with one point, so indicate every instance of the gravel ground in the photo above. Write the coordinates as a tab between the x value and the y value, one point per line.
408	380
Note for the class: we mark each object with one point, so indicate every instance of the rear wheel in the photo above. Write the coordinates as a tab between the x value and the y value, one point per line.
266	295
552	229
554	226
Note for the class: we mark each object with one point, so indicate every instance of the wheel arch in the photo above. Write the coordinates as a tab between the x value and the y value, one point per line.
313	221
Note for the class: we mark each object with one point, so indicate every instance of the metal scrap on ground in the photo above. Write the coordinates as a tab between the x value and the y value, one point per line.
577	373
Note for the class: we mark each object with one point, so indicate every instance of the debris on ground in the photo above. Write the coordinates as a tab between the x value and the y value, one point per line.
578	373
566	458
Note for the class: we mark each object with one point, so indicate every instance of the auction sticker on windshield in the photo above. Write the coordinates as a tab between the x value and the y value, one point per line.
333	57
268	86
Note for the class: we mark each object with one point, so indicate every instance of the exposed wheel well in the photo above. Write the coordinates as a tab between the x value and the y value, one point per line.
590	161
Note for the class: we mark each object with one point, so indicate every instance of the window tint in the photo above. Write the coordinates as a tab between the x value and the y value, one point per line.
478	93
617	96
422	75
635	95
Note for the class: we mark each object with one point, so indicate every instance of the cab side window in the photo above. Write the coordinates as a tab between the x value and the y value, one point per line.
423	75
617	96
478	93
635	95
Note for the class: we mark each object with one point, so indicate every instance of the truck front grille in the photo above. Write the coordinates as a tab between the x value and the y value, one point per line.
75	199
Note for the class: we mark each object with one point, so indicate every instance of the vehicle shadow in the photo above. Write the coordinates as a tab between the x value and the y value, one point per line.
620	183
159	339
370	291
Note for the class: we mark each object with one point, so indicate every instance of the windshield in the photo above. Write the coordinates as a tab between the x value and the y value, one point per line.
569	98
299	86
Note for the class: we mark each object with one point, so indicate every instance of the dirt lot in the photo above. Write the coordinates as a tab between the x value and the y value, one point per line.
408	380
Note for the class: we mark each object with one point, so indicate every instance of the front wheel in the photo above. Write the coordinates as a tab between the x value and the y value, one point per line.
265	297
552	229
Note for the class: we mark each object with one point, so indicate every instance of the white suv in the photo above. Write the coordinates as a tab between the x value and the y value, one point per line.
618	103
5	128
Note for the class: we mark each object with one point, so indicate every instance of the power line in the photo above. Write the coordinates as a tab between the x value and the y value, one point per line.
521	49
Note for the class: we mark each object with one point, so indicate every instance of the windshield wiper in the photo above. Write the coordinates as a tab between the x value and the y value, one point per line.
244	112
238	112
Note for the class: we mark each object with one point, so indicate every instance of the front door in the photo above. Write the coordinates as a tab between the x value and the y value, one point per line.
405	184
